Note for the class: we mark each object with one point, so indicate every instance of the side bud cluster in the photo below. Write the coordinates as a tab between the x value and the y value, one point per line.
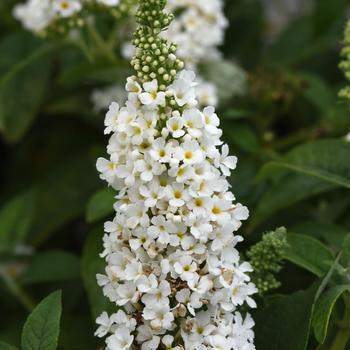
345	63
266	258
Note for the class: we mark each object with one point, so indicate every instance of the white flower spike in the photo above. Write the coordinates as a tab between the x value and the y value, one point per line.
172	267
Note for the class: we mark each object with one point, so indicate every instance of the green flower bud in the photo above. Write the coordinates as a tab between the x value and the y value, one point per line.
266	258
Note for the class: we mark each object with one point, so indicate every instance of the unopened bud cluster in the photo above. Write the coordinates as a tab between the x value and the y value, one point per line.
154	57
266	258
345	63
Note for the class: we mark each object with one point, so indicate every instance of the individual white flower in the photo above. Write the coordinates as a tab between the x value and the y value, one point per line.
111	120
161	229
189	153
107	168
161	151
127	293
190	300
158	295
159	315
66	8
186	268
133	86
219	210
105	323
176	194
211	121
183	91
152	97
168	341
226	162
219	342
120	340
175	126
193	120
152	194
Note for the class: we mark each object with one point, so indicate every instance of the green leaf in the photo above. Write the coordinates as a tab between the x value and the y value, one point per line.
244	137
332	234
62	194
100	205
309	253
318	92
323	310
296	44
23	84
234	114
345	258
326	16
16	217
283	315
91	265
41	330
327	160
52	266
5	346
286	191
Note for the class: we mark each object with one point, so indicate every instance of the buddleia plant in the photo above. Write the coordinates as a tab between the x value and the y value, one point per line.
173	270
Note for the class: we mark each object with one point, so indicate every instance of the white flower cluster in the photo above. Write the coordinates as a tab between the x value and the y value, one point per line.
102	98
198	29
172	264
37	15
279	14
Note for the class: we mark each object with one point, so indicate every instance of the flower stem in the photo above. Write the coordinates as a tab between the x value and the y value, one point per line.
342	338
17	290
104	48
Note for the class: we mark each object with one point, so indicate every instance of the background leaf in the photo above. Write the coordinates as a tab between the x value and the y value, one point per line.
327	160
100	205
5	346
323	310
16	217
285	192
309	253
283	314
25	81
52	266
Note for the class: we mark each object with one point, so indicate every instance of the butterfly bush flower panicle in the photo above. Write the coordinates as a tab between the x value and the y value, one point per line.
172	265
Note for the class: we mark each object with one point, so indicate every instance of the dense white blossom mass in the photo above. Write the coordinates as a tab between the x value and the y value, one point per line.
172	263
198	29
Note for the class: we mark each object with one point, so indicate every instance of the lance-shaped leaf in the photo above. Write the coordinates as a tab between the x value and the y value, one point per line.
41	330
